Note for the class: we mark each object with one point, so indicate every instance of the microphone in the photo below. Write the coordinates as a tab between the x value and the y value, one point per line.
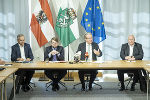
77	57
86	56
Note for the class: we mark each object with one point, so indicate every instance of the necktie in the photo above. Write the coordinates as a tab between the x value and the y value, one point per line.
54	56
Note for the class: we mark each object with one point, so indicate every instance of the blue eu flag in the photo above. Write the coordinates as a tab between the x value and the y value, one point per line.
92	21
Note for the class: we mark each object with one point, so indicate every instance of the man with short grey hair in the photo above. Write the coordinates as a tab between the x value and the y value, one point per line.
21	51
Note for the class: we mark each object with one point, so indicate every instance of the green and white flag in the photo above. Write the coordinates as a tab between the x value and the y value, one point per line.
66	24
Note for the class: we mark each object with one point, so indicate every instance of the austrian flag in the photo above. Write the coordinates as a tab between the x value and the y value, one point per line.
42	23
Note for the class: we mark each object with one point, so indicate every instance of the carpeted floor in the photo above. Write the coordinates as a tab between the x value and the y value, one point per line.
109	92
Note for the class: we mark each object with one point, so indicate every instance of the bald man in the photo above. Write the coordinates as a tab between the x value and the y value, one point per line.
130	51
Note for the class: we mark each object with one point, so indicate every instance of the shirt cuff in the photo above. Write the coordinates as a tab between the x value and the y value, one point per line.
58	54
49	55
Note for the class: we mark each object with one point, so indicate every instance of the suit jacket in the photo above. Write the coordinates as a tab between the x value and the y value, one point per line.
82	48
137	51
15	53
60	49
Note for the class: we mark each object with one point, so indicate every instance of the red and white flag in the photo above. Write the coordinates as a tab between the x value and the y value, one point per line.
42	23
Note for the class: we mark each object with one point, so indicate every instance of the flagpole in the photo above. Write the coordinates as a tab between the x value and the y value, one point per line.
68	78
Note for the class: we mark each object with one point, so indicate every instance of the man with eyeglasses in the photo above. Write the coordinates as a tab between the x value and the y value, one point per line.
54	53
92	49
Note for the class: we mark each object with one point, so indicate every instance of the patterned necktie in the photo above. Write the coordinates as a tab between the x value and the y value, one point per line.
54	56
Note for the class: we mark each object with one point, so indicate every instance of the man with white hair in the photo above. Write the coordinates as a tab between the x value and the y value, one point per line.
89	51
130	51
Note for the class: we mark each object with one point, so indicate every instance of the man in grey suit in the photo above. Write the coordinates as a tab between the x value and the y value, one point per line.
130	51
93	51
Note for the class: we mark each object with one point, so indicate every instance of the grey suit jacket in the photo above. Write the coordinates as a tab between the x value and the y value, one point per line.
82	48
137	51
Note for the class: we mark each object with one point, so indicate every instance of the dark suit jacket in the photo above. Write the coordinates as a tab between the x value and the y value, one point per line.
60	49
82	48
137	51
15	53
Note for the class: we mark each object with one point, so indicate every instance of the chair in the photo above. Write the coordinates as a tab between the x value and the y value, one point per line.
32	83
130	75
18	85
48	84
87	76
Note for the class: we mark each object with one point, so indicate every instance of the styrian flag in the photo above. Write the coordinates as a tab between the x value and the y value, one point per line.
67	24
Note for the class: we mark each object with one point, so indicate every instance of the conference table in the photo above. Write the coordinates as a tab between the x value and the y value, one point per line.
105	65
147	68
121	64
4	74
1	86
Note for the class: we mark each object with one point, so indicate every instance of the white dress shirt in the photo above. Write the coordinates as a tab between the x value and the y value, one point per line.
90	51
22	52
131	49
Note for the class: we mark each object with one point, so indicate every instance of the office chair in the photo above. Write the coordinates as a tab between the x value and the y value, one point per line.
130	75
18	85
32	83
87	76
51	82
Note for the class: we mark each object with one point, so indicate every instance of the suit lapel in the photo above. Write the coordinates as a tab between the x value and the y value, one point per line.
18	49
92	50
84	47
134	49
25	50
128	49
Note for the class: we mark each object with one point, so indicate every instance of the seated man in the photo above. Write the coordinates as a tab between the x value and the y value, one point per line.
93	51
22	52
55	53
2	62
130	51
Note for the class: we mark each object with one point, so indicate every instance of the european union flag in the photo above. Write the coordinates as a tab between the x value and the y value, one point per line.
92	21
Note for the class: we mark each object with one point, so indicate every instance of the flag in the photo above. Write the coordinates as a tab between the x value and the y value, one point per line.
92	21
66	24
42	23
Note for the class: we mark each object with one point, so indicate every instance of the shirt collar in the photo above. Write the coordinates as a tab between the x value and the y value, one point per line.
54	48
131	45
88	44
20	45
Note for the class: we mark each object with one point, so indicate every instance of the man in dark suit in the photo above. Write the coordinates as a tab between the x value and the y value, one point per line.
93	51
22	52
54	53
130	51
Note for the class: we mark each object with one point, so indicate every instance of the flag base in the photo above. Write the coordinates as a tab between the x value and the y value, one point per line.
68	79
43	78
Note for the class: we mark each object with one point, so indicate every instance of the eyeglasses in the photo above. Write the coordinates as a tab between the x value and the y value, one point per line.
88	38
54	42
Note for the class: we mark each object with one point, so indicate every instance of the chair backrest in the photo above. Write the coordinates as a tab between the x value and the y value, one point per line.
130	75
